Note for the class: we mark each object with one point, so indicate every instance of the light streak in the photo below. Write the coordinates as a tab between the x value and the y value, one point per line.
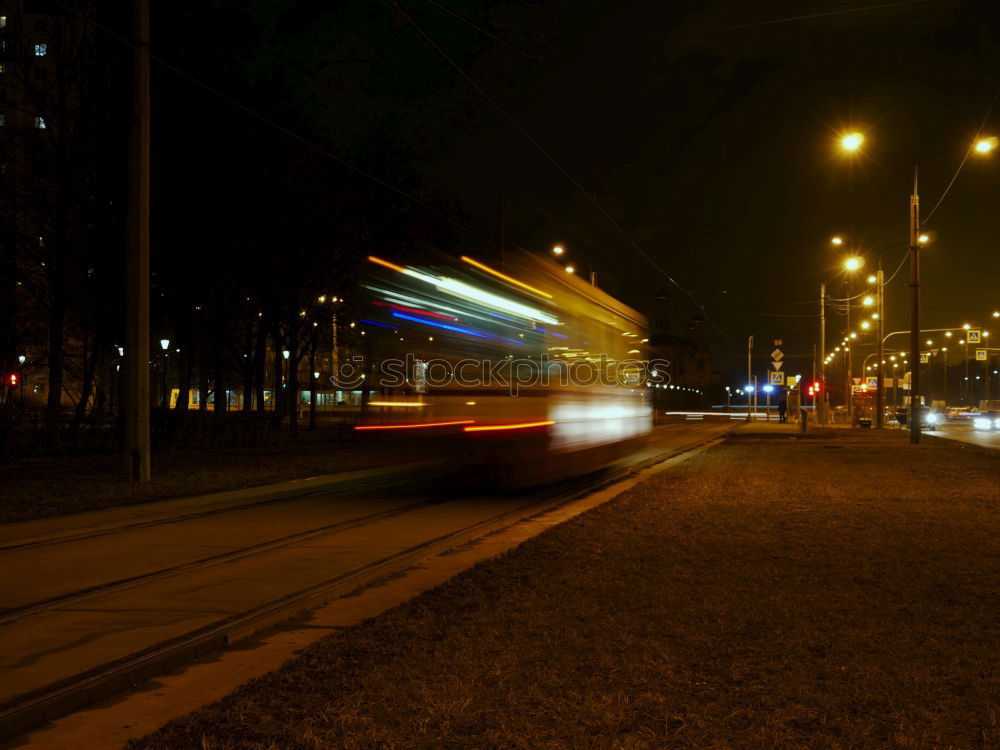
518	426
386	263
505	277
412	426
397	403
404	308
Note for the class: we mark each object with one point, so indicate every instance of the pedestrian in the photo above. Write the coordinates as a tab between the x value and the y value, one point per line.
782	410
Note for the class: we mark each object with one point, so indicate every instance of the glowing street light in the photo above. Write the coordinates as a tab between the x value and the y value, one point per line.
853	263
985	145
571	269
838	241
868	301
558	250
873	279
852	141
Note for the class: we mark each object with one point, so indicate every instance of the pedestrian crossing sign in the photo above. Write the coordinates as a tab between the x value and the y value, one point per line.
980	355
776	378
872	382
974	335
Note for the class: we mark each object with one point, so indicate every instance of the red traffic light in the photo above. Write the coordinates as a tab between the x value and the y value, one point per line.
13	379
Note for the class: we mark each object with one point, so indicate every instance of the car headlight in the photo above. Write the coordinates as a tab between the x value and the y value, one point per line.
981	423
932	419
996	423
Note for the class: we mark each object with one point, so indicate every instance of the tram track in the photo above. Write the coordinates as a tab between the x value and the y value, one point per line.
77	690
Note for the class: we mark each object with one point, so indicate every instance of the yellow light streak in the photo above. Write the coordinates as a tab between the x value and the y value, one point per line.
505	277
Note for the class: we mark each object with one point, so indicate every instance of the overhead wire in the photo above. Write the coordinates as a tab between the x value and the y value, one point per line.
484	32
806	17
552	160
965	158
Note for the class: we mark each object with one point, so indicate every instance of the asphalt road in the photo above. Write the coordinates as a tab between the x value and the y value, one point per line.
74	601
966	433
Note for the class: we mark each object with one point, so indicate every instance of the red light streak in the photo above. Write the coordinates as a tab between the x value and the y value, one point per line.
428	313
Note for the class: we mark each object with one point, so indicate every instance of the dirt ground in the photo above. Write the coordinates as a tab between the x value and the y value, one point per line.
828	592
59	485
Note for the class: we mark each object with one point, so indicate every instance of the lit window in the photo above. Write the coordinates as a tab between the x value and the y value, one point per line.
3	21
3	68
41	50
40	123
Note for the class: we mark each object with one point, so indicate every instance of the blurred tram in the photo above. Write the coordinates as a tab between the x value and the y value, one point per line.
530	373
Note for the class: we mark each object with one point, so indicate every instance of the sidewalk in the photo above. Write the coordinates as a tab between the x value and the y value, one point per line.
836	591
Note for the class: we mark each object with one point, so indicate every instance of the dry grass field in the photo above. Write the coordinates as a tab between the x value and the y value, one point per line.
828	592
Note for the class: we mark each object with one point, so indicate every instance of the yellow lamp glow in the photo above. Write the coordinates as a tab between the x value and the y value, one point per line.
852	141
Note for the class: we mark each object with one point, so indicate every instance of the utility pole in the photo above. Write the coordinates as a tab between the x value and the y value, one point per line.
749	369
880	388
915	312
137	439
822	352
849	383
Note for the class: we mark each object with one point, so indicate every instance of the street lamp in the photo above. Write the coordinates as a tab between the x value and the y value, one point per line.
985	145
165	400
852	141
558	250
852	263
571	268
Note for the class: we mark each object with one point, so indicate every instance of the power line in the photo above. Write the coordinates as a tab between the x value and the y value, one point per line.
964	158
482	31
791	19
527	136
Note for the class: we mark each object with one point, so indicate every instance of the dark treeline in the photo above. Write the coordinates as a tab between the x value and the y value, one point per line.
251	225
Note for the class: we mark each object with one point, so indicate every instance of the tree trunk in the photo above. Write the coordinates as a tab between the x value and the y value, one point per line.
185	341
293	394
312	388
202	379
278	395
259	363
219	365
57	325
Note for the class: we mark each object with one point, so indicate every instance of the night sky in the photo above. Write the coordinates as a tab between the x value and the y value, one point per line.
707	130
